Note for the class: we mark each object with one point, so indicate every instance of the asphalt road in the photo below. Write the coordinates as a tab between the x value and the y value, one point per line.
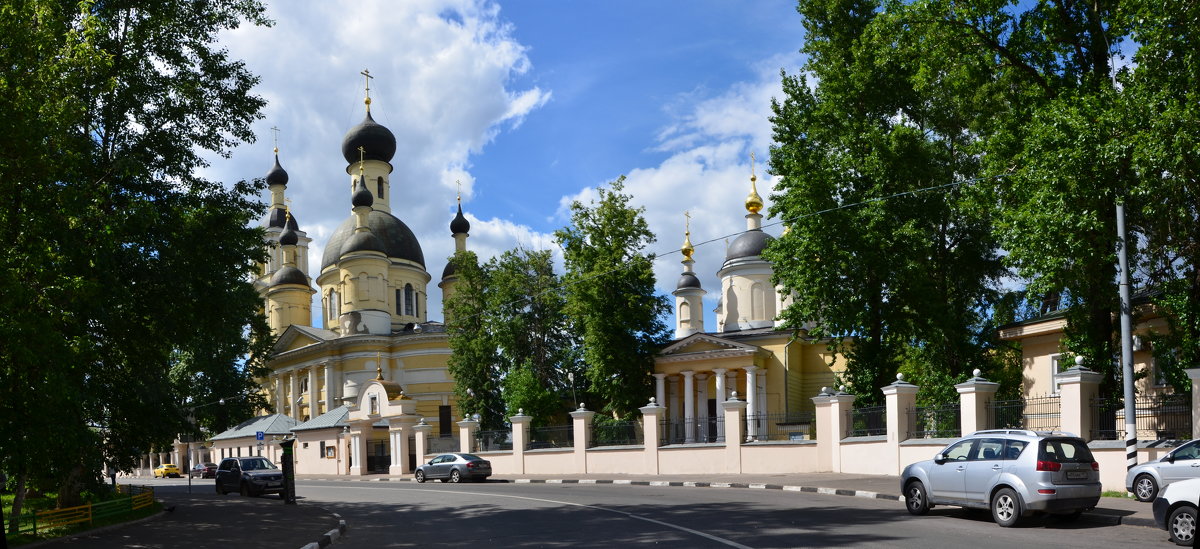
387	514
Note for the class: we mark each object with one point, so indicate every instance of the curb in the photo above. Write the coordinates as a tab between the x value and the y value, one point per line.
328	538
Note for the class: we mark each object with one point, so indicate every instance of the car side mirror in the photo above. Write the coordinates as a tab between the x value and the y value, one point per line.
939	459
1170	458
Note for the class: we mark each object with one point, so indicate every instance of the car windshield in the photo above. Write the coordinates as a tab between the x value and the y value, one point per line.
257	465
1065	450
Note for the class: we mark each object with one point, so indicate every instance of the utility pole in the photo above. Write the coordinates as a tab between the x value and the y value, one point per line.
1126	342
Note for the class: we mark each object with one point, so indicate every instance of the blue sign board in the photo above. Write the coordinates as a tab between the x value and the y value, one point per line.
258	435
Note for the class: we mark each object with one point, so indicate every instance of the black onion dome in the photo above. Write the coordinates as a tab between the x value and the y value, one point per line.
749	244
377	142
289	275
398	240
364	241
460	225
277	175
362	197
688	280
288	237
277	218
449	270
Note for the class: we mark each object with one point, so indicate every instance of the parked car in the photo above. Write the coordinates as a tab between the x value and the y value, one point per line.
1013	473
454	467
1175	510
203	470
1146	479
250	476
166	470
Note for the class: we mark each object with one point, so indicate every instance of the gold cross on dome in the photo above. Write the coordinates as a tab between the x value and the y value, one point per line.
459	183
367	79
287	207
275	130
752	176
688	222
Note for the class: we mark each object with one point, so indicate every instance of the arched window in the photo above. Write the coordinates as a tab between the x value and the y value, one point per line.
409	299
685	312
379	182
758	301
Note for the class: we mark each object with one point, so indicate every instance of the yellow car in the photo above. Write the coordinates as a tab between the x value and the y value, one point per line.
166	470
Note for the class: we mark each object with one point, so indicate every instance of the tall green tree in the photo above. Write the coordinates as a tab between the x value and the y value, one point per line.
899	277
611	299
532	333
474	360
118	259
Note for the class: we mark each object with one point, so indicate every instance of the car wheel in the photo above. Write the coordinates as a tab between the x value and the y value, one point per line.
1182	525
1145	488
915	498
420	476
455	476
1006	507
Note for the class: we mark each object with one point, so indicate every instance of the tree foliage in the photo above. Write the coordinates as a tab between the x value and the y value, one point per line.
611	299
1029	109
125	273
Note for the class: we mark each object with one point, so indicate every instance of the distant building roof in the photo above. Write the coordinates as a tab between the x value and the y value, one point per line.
274	424
333	418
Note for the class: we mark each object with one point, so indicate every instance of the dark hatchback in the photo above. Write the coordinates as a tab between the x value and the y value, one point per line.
249	476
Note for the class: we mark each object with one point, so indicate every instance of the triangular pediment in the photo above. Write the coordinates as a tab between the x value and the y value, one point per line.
298	337
706	344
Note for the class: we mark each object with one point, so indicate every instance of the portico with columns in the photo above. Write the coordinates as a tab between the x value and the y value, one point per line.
382	414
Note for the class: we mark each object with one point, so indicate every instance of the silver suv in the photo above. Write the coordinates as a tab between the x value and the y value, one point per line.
1011	472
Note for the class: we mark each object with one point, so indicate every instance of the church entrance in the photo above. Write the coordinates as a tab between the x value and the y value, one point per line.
379	457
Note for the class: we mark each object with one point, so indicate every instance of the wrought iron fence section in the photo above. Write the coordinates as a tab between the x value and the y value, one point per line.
787	426
555	436
489	441
698	430
1158	417
616	433
1042	413
935	421
866	421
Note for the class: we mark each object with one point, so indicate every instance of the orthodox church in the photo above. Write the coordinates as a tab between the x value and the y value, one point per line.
776	371
372	284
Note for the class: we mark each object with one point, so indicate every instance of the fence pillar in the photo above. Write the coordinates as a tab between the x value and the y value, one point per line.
1194	375
733	409
652	414
898	398
975	395
422	430
581	420
520	437
1077	387
831	427
466	435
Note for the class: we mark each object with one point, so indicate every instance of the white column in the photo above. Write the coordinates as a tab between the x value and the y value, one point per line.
702	406
751	404
660	389
762	393
330	392
355	455
689	407
676	405
279	393
393	449
294	394
722	394
313	409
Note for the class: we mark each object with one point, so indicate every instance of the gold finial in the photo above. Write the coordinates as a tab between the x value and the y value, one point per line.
754	203
367	78
287	207
379	366
275	130
459	183
362	153
687	249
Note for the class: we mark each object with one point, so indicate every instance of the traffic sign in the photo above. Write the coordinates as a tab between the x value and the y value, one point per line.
258	435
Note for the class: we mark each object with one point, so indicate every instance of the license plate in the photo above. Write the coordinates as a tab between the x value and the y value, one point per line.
1077	475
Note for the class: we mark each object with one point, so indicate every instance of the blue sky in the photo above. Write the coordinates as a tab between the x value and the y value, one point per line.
530	105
